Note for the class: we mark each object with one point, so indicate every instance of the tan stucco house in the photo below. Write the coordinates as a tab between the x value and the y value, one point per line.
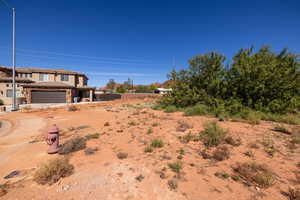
38	85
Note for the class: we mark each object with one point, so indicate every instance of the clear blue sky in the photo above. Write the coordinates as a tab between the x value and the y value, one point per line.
136	38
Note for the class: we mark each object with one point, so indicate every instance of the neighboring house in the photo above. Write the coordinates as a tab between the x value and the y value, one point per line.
38	85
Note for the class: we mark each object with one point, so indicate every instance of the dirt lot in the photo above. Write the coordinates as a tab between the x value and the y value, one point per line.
129	127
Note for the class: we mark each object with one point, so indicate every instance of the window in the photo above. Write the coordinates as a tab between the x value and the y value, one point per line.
64	77
9	93
43	77
7	85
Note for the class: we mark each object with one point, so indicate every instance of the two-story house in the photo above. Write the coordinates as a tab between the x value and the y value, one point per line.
38	85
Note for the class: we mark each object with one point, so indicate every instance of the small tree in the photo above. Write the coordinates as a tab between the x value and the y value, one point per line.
121	89
111	85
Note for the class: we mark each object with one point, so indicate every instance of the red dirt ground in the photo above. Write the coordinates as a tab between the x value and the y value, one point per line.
103	176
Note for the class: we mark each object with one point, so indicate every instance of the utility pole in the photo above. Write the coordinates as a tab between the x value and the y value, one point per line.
14	102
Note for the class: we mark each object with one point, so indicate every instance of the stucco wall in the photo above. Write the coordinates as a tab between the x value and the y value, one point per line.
3	92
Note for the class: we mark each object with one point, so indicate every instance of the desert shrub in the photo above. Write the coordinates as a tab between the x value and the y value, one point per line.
157	107
72	145
221	153
212	135
255	174
53	170
282	129
175	166
148	149
170	109
198	109
183	126
72	108
122	155
234	142
92	136
157	143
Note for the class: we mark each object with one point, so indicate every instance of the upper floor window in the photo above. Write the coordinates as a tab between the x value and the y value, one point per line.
64	77
43	77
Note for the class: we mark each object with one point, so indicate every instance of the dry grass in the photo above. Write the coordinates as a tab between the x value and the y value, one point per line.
175	166
255	174
53	170
282	129
73	145
221	153
187	138
92	136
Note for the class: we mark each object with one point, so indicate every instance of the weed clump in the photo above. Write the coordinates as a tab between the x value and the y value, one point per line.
72	145
52	171
255	174
221	153
157	143
212	135
222	175
175	166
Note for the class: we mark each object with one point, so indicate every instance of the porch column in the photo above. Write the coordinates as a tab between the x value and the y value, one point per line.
91	95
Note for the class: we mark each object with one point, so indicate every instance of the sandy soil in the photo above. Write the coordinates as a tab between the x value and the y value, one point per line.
103	176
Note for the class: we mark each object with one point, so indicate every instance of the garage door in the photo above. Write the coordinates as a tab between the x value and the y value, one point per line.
48	96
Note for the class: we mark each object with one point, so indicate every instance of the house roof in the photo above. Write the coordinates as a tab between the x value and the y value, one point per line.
18	80
48	85
43	70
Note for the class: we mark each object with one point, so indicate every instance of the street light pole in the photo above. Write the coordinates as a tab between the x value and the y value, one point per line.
14	102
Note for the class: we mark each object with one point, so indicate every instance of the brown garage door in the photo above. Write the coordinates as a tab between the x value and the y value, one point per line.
48	96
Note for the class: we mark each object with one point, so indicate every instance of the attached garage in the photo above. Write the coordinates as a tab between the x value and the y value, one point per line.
44	96
49	92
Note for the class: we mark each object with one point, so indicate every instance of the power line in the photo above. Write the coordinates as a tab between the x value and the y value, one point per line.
81	56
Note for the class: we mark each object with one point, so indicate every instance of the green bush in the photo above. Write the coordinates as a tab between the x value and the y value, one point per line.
212	135
263	81
170	109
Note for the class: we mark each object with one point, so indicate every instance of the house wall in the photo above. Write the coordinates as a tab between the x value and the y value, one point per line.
82	81
3	93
